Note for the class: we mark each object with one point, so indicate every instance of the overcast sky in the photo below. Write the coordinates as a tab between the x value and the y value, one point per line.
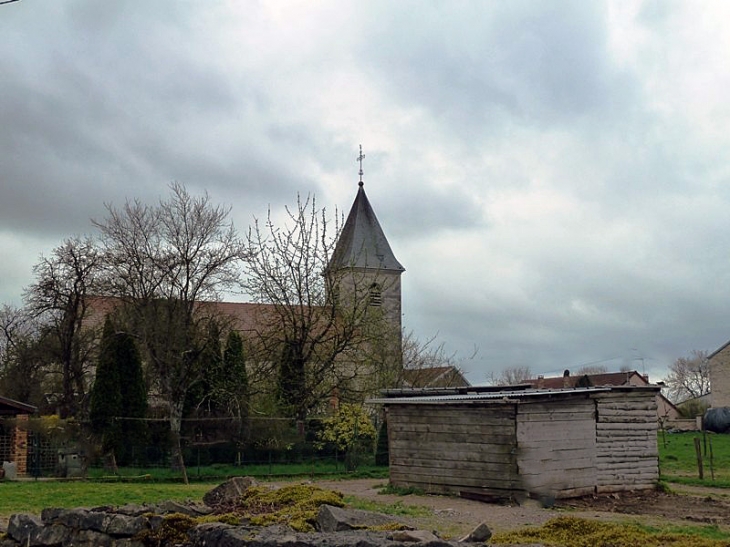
554	176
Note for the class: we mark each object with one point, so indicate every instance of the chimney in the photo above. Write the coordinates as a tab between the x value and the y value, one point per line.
566	378
540	381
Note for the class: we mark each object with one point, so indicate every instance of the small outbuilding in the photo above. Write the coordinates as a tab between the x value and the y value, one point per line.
523	442
13	436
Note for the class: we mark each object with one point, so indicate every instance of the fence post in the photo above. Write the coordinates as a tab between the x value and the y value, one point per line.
712	463
698	451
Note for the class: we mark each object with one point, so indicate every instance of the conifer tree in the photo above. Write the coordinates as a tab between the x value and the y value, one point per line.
234	383
106	396
119	395
235	375
382	453
133	393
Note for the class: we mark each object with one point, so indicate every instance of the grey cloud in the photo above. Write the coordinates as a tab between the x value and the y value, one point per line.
484	66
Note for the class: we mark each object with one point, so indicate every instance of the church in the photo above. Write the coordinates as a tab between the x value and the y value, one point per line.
347	339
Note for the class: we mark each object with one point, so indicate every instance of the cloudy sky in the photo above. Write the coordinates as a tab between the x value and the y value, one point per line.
554	176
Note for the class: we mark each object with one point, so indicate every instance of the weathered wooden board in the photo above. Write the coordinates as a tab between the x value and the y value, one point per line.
534	432
626	405
475	453
464	429
626	427
569	417
633	418
454	414
423	439
457	478
566	406
534	464
477	469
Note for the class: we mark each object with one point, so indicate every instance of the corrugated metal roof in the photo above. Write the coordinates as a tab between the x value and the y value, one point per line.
496	395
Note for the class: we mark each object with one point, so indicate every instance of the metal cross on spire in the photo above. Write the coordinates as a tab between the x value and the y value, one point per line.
360	158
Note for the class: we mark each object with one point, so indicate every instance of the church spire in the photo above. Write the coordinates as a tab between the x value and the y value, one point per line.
362	243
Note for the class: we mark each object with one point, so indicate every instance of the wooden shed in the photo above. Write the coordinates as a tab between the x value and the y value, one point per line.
523	442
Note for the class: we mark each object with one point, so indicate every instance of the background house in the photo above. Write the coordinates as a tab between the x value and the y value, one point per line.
446	376
666	410
720	376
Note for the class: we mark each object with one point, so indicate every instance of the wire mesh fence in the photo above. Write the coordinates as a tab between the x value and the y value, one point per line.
212	448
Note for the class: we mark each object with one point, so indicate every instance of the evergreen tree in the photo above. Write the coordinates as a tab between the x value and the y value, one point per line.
133	392
382	454
292	386
119	395
235	374
234	386
201	398
106	397
584	381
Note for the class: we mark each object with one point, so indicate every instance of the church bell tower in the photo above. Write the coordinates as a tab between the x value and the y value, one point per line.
363	251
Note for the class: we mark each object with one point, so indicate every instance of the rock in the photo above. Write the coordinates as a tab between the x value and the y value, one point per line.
22	526
129	509
189	509
480	534
98	521
229	491
337	519
421	536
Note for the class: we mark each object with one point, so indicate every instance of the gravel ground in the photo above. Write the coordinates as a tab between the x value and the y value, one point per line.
454	516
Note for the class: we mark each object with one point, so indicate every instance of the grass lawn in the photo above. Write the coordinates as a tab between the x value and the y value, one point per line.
33	496
678	459
151	485
218	472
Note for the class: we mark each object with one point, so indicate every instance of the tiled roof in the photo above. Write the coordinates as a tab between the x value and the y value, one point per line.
446	376
605	379
244	315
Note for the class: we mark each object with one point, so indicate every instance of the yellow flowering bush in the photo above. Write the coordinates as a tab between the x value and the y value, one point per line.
351	423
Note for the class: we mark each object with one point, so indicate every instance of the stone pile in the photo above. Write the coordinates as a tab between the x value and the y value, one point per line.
153	525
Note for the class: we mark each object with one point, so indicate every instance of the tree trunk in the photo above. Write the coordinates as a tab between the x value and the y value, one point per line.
178	462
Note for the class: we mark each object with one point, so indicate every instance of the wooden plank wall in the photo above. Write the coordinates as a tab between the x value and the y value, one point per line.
557	447
627	455
453	449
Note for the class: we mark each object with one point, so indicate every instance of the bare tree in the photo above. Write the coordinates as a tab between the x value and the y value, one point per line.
312	334
58	298
22	364
163	261
591	369
689	377
510	376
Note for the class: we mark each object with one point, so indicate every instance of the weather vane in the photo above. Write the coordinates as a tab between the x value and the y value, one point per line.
360	158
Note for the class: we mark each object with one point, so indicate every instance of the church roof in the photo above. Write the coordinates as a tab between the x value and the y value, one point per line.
362	243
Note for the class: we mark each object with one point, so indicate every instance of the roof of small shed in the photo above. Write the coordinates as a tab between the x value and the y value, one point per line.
12	407
423	397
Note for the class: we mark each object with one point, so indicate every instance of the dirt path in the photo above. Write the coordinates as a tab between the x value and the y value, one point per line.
454	516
